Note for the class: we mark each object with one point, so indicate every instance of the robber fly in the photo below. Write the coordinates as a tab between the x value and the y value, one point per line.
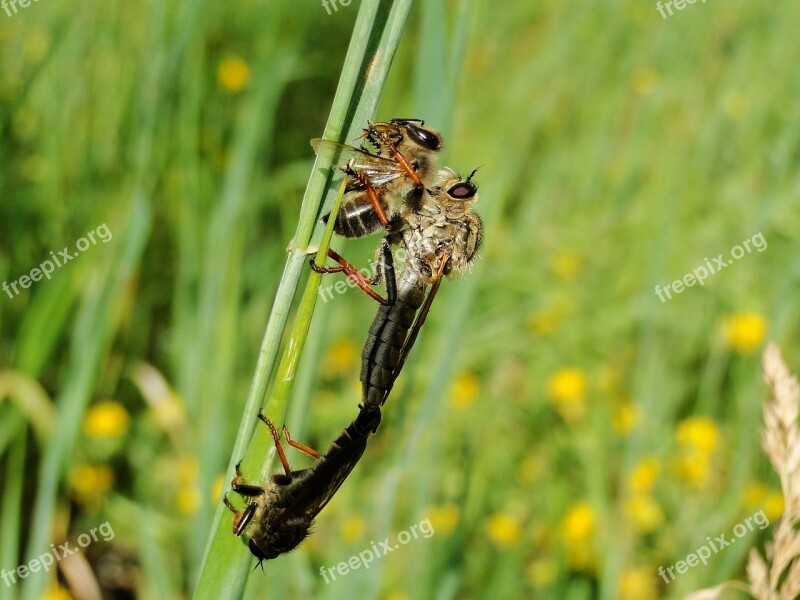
405	161
280	512
442	237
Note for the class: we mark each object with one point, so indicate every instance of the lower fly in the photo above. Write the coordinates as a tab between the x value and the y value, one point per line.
279	513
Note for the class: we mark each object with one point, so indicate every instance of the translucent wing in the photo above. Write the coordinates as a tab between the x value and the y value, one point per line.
326	477
419	321
319	487
378	169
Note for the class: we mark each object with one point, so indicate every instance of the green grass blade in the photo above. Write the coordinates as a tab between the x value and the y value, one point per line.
12	508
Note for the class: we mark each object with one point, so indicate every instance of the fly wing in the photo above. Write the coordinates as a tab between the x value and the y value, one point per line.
419	321
378	169
328	474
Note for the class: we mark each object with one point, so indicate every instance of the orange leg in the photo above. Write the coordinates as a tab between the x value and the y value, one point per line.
278	446
372	195
237	514
352	273
298	445
396	154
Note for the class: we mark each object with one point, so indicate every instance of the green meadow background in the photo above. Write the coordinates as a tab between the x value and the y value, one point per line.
562	430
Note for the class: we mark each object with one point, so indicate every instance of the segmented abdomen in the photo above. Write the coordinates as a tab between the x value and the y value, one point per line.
356	218
387	334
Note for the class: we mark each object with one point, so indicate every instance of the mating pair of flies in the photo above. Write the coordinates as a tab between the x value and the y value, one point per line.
427	211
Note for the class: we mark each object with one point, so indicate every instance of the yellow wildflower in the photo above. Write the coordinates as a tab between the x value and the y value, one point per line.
698	433
107	418
541	572
578	531
567	390
638	584
744	332
645	80
698	439
625	418
188	499
217	488
774	505
550	317
531	469
444	518
187	469
36	46
465	390
504	530
579	523
90	483
56	592
567	384
565	266
546	320
233	74
644	474
693	467
352	528
342	357
644	512
754	495
736	105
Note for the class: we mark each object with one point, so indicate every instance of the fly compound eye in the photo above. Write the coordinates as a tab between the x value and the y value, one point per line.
423	137
463	190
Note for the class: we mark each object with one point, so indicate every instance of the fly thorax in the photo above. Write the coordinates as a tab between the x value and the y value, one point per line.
419	244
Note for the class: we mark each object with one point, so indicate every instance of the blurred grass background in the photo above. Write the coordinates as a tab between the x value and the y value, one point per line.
565	432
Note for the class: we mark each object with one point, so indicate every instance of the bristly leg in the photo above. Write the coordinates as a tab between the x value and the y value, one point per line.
278	446
364	283
372	195
302	447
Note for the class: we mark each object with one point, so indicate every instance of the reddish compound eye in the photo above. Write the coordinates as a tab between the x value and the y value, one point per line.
463	190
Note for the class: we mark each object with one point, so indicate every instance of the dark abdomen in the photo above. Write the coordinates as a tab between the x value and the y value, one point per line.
387	334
